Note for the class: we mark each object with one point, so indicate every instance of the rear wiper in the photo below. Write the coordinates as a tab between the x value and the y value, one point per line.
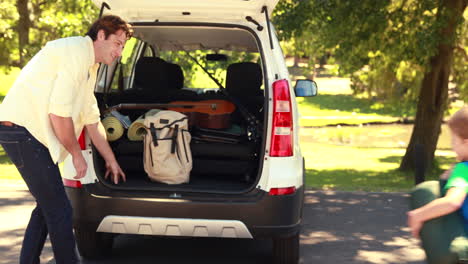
250	19
199	64
205	70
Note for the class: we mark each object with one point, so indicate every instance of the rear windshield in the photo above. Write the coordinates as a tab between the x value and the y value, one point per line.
202	54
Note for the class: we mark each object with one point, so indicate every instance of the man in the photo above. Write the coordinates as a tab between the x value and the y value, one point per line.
46	108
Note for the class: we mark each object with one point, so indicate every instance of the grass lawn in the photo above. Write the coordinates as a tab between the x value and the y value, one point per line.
341	158
349	168
335	104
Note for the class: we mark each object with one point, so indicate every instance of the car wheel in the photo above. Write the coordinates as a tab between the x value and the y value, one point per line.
92	244
286	249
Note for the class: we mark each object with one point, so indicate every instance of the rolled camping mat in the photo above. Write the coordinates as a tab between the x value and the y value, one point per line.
137	130
113	127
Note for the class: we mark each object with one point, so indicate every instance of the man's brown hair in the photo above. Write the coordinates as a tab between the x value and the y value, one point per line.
110	24
458	123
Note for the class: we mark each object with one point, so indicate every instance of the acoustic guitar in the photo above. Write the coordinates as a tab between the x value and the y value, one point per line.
214	114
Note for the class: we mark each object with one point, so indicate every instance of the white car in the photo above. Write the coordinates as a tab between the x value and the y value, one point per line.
247	179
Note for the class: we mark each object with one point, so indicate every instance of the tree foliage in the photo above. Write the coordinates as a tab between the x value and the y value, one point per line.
376	41
396	50
26	25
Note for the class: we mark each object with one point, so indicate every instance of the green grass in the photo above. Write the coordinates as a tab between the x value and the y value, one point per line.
361	169
392	136
327	109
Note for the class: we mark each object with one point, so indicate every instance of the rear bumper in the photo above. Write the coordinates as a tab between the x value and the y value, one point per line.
261	214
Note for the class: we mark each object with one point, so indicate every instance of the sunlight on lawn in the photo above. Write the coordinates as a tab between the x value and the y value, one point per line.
356	168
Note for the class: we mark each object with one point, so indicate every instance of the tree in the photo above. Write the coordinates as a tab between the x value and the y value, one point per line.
434	90
387	36
26	25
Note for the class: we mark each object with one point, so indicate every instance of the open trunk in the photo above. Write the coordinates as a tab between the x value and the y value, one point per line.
228	172
164	66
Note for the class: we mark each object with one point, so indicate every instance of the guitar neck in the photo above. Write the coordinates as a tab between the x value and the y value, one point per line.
146	106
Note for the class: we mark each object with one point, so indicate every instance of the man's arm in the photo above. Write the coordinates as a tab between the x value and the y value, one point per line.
96	133
451	202
65	133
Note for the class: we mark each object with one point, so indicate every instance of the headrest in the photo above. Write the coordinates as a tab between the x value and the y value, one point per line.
175	76
243	79
150	72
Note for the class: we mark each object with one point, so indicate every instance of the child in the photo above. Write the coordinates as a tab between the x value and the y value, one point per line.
457	184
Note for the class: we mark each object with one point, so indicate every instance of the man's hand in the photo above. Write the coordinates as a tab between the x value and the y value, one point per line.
80	166
97	134
113	169
65	132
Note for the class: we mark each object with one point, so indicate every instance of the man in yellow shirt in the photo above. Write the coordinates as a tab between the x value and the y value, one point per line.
47	107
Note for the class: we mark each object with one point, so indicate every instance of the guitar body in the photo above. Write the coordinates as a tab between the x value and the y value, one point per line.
213	114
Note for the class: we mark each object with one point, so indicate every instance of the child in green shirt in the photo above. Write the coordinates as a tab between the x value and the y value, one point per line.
457	184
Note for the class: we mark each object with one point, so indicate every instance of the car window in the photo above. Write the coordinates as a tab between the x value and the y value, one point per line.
195	76
123	74
188	48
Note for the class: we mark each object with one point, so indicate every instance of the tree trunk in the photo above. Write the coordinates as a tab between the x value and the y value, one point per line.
23	27
296	61
433	97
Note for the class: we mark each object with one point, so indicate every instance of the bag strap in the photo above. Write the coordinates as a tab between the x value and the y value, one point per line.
174	139
153	134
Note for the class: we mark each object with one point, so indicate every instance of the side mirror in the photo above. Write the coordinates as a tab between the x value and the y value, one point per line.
305	88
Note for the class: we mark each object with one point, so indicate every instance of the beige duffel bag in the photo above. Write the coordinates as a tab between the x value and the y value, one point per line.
166	154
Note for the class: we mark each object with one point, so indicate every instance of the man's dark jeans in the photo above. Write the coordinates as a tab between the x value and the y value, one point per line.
53	212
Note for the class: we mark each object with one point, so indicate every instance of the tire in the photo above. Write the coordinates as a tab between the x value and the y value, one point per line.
286	250
92	244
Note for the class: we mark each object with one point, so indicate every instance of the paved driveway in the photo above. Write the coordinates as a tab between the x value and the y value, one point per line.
339	227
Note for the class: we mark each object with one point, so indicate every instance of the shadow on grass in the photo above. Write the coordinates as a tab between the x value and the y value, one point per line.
440	160
363	180
350	103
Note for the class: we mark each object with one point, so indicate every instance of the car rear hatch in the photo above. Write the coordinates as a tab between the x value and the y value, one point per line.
188	10
236	177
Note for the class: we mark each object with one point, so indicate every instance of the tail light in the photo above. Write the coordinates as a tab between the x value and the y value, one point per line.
282	191
82	140
72	183
282	130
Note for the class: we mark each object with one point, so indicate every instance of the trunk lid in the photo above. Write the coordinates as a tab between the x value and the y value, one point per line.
188	10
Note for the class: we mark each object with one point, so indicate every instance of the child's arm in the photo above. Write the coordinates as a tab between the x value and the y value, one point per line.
451	202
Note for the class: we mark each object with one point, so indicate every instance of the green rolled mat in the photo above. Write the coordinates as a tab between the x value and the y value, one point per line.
137	130
113	127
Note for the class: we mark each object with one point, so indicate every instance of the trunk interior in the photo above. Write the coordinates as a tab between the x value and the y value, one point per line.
229	172
164	66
